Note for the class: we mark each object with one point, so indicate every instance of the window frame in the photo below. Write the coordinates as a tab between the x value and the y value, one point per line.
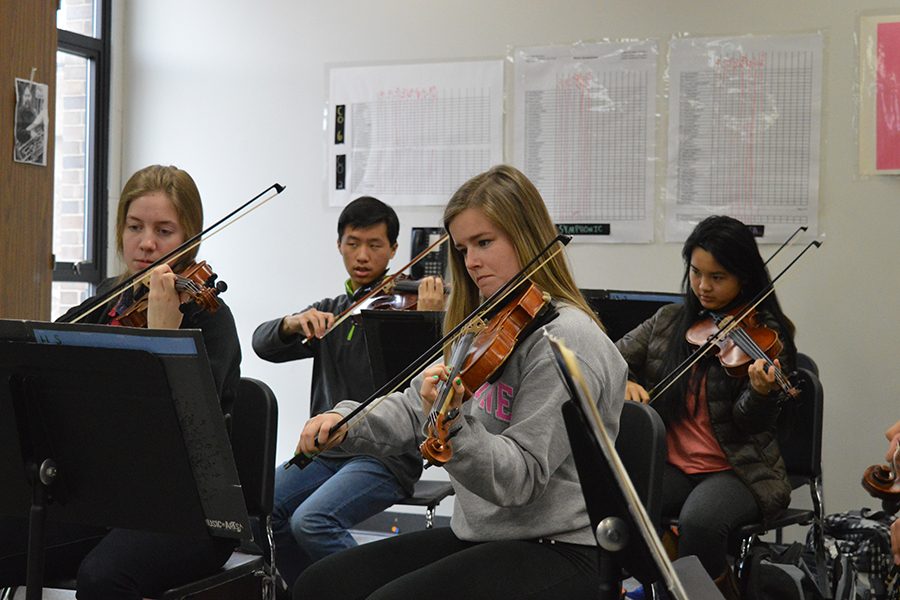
97	52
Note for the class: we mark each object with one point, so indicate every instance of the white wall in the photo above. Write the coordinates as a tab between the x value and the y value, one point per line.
234	93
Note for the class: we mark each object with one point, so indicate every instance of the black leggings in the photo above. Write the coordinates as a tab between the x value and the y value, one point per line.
708	507
434	563
117	564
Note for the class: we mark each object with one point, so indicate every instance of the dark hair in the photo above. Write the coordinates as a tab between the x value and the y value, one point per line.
733	246
367	211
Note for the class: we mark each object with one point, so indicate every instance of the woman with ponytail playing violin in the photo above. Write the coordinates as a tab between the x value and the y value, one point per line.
724	466
159	208
520	525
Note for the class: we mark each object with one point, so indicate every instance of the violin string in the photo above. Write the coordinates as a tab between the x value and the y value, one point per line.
143	275
746	343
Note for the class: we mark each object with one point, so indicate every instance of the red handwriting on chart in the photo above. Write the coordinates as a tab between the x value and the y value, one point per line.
576	81
742	63
409	93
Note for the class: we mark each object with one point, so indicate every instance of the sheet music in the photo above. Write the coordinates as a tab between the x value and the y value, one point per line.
412	134
744	120
585	134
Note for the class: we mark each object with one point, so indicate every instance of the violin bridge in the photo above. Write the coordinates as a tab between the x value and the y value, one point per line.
474	326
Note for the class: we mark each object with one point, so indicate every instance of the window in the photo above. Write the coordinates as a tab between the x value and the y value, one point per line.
80	160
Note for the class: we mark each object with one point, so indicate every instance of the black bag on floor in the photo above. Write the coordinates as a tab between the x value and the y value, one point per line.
858	555
778	572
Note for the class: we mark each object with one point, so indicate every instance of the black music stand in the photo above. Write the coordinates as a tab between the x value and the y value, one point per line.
621	545
105	436
396	338
621	311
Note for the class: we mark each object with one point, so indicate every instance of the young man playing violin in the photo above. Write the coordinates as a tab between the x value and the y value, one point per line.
315	506
724	465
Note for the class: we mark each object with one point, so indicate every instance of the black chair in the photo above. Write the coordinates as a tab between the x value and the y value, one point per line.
805	361
253	436
429	494
800	441
641	445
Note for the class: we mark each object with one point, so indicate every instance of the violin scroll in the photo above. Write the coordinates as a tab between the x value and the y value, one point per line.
881	482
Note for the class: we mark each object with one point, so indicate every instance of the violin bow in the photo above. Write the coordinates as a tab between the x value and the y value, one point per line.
571	374
786	242
176	253
666	382
431	353
383	284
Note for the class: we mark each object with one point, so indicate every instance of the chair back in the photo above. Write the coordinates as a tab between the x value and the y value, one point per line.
800	430
641	445
254	428
805	361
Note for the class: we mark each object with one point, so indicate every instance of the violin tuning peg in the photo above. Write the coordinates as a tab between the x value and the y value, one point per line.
221	287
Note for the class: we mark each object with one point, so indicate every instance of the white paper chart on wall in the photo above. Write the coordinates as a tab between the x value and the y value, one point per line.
412	134
744	121
585	135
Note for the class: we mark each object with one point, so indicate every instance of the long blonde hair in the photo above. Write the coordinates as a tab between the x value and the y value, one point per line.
181	190
512	203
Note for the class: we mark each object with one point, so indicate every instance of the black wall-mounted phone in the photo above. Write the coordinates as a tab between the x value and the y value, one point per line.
435	263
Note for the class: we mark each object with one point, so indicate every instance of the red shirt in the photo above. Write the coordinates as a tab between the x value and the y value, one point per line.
691	443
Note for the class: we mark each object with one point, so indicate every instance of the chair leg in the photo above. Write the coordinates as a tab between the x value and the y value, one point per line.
740	564
268	583
429	516
815	492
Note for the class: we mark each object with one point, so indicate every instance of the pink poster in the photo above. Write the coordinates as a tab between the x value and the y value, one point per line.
887	102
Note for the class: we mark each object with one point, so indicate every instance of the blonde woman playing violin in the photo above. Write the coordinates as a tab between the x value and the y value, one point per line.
520	525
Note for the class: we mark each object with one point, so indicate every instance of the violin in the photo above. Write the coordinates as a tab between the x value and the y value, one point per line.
198	281
173	255
744	343
477	359
376	291
881	482
724	328
400	294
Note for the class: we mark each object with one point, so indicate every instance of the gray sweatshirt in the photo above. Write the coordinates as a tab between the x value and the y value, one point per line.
512	465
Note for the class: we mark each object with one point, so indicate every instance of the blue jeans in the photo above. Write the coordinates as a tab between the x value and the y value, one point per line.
315	506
